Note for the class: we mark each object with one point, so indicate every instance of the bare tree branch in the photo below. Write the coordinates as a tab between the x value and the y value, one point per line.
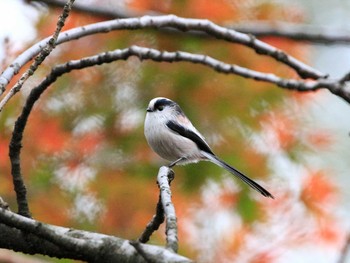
298	32
15	145
44	52
171	226
27	235
336	86
182	24
158	218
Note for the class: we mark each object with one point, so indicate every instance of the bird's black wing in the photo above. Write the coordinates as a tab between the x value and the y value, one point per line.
202	145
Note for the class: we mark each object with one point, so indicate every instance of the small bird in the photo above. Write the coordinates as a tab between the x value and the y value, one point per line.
173	137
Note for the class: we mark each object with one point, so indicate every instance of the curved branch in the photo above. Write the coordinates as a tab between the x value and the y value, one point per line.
172	21
336	86
17	135
29	236
15	144
298	32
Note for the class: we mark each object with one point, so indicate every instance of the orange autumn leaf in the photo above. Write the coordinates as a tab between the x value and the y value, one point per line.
89	142
214	10
228	199
317	192
238	239
47	133
4	149
147	5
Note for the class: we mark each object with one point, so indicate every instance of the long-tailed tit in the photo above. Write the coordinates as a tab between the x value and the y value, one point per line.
173	137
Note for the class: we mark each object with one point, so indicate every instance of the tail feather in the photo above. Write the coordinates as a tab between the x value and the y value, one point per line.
238	174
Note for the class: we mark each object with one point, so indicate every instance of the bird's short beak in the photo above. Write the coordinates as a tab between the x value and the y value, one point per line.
149	109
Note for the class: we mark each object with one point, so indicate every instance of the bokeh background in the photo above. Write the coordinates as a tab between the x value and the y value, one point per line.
87	165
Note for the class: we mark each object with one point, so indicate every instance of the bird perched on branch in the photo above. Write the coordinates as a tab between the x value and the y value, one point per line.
173	137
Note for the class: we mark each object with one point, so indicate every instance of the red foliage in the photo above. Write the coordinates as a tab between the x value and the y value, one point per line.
219	10
46	132
4	150
147	5
318	192
87	143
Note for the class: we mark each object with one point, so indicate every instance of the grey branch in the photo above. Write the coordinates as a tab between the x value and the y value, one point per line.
299	32
168	21
336	86
164	179
33	237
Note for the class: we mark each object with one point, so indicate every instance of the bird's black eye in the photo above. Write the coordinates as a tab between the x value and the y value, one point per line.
160	108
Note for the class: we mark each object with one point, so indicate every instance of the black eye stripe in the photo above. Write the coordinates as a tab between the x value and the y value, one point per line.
160	104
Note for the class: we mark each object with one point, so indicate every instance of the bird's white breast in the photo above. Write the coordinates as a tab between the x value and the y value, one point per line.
166	143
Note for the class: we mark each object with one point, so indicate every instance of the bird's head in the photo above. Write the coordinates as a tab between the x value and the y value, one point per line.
163	106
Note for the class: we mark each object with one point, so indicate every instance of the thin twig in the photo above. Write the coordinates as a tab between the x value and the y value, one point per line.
44	52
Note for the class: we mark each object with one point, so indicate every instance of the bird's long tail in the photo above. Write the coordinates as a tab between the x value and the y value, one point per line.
235	172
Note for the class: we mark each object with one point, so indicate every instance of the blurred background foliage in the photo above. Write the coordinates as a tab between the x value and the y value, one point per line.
87	164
